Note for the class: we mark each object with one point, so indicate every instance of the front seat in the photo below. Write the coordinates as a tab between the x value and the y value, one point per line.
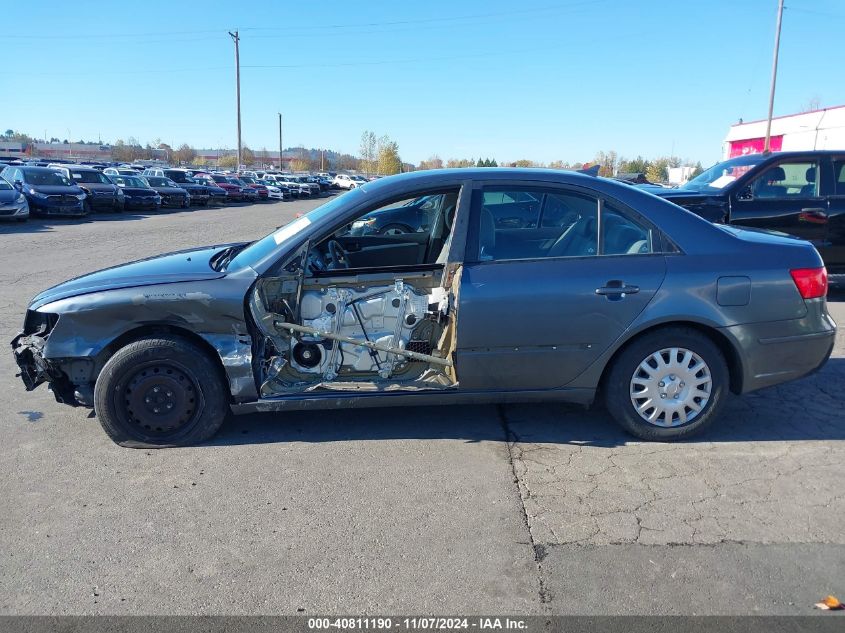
486	235
809	190
765	188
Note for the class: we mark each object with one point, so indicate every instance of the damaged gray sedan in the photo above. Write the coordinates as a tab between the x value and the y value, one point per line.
516	285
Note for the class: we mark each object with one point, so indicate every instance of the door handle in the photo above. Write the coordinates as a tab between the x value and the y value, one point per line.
617	289
814	215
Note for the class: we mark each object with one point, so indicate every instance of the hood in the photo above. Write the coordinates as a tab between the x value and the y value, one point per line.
97	186
190	265
170	191
54	190
138	191
678	194
191	186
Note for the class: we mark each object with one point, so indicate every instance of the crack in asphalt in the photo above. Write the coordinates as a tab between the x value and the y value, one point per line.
539	550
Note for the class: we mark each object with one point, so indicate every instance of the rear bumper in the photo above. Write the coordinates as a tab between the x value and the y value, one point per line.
776	352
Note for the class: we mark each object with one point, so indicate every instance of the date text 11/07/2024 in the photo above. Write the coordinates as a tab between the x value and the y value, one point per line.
417	623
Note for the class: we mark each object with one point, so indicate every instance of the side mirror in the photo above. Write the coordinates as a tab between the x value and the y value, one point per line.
745	194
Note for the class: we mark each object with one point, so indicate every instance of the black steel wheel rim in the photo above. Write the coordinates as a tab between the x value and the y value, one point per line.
160	398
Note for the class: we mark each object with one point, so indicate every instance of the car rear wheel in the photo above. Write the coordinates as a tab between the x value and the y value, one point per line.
667	385
160	392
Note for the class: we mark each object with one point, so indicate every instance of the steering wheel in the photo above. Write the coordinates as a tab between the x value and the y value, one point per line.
339	257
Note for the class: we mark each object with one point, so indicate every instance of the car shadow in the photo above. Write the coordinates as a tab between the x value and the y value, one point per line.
783	413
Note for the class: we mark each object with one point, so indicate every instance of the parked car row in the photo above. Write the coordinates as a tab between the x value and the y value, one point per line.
60	189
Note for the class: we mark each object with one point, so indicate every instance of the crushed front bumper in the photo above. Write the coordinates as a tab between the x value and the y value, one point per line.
28	350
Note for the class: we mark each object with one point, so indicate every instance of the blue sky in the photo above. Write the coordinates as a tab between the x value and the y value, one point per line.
538	79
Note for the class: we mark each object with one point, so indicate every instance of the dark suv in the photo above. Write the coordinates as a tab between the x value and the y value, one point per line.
102	194
199	194
798	193
47	191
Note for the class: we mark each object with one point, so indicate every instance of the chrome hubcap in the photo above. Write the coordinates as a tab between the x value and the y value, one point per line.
671	387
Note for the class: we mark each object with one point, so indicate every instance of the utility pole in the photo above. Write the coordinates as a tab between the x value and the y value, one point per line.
236	38
280	141
767	143
322	160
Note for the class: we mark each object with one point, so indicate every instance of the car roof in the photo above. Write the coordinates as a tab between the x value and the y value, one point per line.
26	168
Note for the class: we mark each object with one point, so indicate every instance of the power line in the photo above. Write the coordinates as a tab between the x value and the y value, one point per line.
320	27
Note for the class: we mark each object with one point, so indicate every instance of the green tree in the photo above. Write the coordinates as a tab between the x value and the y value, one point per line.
389	162
658	170
697	171
638	165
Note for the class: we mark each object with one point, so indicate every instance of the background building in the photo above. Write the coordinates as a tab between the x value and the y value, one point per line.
817	129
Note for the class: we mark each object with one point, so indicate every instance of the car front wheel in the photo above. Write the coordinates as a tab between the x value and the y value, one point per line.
160	392
667	385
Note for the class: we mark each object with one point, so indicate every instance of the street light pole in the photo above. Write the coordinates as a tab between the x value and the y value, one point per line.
767	142
280	141
236	38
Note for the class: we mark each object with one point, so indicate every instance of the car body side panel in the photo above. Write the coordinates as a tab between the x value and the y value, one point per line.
212	310
775	313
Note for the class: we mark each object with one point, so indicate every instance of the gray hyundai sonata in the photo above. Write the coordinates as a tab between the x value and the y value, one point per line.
513	285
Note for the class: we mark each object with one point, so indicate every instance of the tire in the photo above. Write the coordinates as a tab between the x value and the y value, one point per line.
178	377
628	382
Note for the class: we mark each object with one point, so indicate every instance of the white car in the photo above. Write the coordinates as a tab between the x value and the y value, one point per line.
274	193
345	181
120	171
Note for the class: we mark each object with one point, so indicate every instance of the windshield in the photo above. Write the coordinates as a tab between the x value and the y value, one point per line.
722	174
177	176
89	176
158	181
45	178
130	181
216	178
257	251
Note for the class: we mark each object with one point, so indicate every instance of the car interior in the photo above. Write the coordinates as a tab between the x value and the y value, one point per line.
786	180
361	312
531	225
345	250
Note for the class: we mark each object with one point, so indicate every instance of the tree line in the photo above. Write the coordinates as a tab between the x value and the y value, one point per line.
376	155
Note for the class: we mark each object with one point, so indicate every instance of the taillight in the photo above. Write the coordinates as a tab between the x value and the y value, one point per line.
811	282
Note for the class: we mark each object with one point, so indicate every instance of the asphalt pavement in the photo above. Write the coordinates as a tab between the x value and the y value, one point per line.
452	510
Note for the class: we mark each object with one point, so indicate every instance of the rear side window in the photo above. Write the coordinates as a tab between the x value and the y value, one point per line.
787	180
513	224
